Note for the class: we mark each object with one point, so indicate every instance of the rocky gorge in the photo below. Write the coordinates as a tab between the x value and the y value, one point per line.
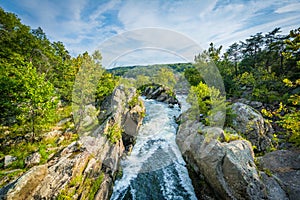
87	168
221	161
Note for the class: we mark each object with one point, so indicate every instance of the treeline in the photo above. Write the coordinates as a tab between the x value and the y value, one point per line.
37	78
259	63
264	68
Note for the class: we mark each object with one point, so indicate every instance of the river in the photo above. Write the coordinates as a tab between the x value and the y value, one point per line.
155	169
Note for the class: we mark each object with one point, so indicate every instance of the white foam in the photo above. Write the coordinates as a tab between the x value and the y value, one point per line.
157	134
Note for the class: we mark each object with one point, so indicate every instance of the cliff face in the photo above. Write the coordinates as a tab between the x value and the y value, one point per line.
86	168
223	164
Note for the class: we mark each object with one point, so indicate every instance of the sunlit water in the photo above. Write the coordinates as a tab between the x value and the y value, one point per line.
155	169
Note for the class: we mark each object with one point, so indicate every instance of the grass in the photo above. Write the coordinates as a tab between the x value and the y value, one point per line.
95	187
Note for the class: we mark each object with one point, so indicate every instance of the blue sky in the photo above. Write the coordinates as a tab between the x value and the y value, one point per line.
84	25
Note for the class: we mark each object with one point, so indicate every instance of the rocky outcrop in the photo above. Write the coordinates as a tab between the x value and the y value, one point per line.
86	168
129	116
283	173
253	126
33	159
228	168
160	93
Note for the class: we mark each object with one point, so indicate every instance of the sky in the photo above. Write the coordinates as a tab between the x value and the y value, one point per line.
133	32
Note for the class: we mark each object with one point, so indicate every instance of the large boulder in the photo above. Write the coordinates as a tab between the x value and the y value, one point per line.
253	126
228	168
24	187
284	167
131	123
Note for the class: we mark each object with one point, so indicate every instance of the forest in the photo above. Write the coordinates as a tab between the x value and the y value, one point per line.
37	78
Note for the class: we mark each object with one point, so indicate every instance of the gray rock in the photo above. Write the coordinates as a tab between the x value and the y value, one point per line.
24	187
160	94
252	125
33	159
8	159
274	190
228	168
285	166
131	123
256	104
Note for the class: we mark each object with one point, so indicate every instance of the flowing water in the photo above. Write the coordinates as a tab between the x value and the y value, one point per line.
155	169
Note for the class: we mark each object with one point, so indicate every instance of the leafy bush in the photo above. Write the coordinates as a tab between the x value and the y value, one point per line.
206	101
114	133
105	87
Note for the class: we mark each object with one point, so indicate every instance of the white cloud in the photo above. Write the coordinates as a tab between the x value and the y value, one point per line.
295	7
85	24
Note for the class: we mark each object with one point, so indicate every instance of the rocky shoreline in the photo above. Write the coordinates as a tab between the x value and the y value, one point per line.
222	164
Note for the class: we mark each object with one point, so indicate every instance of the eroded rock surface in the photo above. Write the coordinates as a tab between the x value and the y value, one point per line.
85	169
253	126
283	166
228	168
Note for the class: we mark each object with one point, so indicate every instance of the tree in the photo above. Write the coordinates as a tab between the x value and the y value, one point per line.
193	76
85	88
37	101
27	98
165	77
234	55
207	101
142	80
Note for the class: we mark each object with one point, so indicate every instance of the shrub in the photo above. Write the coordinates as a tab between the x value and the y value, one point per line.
114	133
207	101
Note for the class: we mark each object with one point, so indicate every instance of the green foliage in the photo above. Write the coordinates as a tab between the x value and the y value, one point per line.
291	122
106	84
95	187
246	79
85	88
142	80
165	77
230	116
193	76
30	98
114	133
134	101
228	137
207	101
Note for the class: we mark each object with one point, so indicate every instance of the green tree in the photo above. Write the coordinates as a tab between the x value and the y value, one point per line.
142	80
37	101
165	77
193	76
85	88
234	55
27	98
208	102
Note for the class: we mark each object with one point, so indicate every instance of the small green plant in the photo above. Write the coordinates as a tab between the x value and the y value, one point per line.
76	180
95	187
114	133
228	137
134	101
230	116
268	172
207	101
